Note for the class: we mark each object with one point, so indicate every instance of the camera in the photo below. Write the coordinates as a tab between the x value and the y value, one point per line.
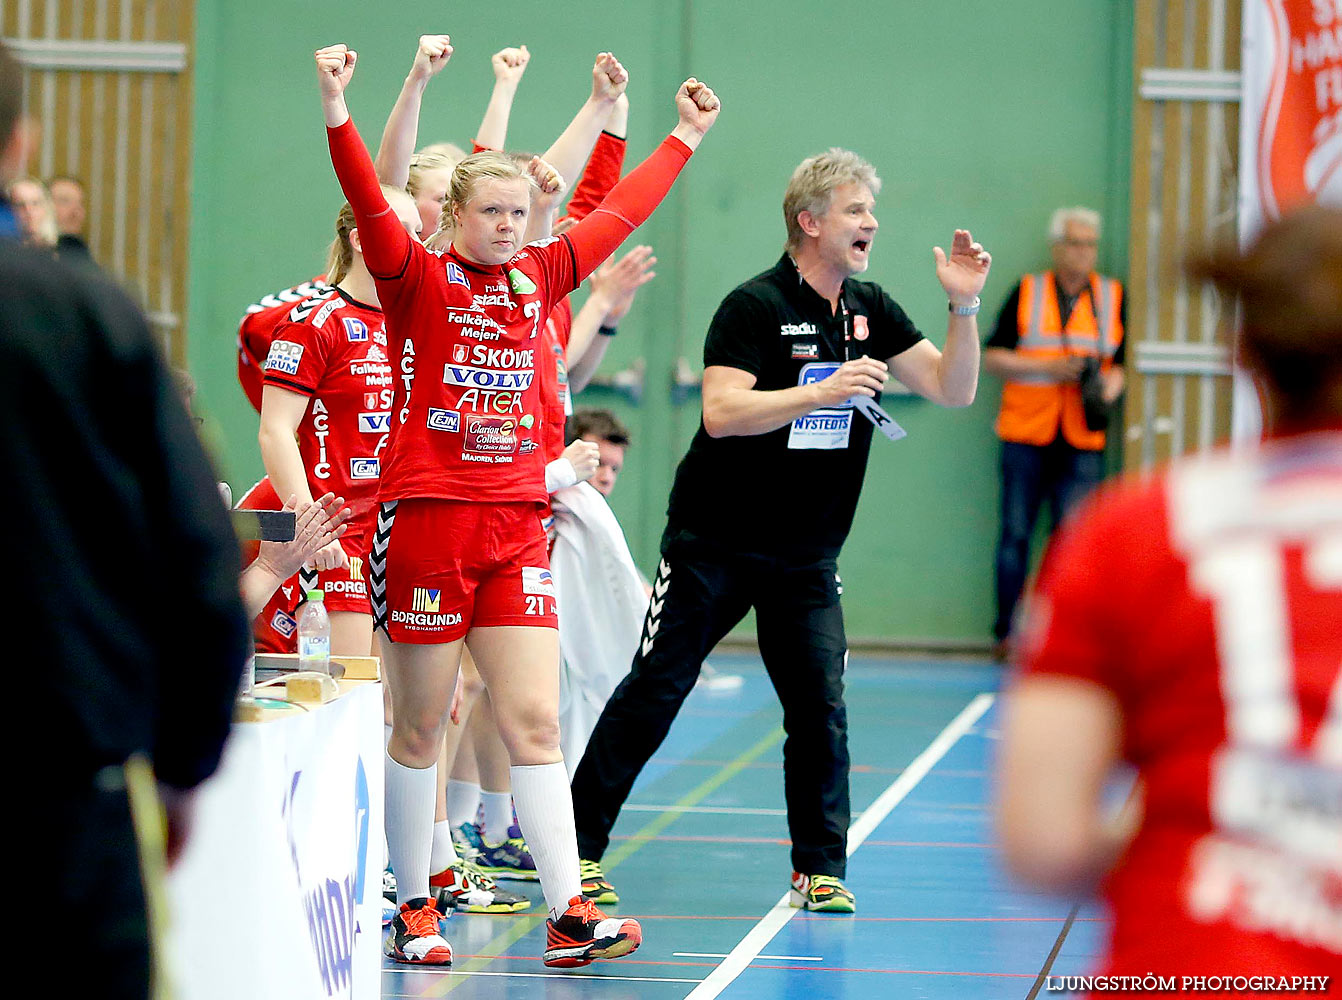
1092	395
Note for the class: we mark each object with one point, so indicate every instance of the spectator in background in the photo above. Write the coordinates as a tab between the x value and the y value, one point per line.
106	464
603	429
1190	624
67	198
31	202
1050	327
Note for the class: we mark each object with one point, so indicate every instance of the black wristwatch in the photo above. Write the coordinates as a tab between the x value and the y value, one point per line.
607	331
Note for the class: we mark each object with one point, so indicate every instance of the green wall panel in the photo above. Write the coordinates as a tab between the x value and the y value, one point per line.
978	114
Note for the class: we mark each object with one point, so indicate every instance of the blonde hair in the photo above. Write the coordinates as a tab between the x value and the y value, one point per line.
438	156
487	165
813	184
47	233
1057	223
340	254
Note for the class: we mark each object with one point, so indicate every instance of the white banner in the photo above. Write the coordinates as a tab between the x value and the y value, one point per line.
1290	128
279	894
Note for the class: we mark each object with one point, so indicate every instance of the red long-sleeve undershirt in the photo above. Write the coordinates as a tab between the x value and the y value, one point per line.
599	177
387	246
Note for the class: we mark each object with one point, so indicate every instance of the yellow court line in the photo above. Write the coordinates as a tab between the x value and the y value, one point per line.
691	798
522	926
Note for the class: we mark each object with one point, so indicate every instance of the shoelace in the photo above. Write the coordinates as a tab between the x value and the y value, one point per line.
585	911
473	878
590	870
421	922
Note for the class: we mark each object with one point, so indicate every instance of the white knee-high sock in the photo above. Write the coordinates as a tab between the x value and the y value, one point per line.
545	813
463	801
409	797
498	815
443	852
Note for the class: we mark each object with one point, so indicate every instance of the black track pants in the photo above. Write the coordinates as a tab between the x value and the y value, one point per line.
700	593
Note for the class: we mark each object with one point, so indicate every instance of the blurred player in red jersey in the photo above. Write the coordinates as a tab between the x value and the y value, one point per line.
459	547
1191	624
326	417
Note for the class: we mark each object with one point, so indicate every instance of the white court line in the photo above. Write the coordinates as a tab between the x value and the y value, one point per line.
719	954
587	976
708	810
776	919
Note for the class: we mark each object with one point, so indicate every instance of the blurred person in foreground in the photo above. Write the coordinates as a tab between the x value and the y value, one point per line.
104	463
1190	624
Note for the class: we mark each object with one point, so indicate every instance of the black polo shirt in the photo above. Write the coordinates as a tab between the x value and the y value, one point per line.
794	490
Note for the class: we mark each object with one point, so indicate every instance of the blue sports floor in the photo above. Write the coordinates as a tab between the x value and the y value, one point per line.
700	856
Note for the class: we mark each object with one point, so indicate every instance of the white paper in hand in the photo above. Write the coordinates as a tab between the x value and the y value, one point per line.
885	423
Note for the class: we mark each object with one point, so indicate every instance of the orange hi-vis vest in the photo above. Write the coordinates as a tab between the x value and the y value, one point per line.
1034	406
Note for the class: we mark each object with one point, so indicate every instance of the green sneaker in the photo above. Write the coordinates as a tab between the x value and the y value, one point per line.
820	892
463	887
594	885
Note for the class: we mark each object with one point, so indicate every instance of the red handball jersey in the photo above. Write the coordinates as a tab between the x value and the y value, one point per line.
554	379
257	329
467	338
275	629
599	178
1209	602
334	349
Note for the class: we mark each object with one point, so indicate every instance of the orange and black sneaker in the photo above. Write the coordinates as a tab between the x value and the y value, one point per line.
413	935
821	892
583	934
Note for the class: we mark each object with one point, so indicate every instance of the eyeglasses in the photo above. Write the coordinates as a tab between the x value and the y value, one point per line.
1080	244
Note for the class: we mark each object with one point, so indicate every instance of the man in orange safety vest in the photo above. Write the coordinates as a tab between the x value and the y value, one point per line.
1058	347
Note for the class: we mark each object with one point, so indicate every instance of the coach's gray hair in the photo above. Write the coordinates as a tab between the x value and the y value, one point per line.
813	182
1057	223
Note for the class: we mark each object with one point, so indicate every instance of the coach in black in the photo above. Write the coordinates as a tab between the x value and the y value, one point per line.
793	363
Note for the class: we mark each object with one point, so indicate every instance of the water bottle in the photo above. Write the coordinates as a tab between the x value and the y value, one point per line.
314	635
248	679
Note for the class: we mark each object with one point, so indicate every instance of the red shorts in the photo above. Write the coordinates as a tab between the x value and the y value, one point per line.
275	629
344	589
449	566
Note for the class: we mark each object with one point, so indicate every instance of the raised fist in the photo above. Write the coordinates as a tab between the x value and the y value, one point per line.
509	64
335	66
697	105
547	179
584	456
433	54
609	78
